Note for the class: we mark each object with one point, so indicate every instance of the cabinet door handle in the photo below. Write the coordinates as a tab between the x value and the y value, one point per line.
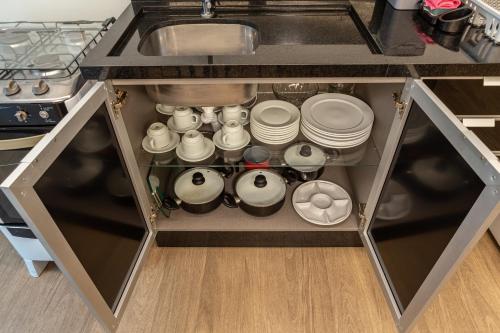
491	81
478	122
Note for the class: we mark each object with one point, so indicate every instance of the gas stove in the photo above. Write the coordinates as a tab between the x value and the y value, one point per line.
39	61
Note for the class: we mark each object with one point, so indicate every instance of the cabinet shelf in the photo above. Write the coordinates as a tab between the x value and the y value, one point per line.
365	154
286	219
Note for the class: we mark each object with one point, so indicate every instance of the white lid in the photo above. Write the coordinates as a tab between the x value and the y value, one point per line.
260	188
305	157
199	185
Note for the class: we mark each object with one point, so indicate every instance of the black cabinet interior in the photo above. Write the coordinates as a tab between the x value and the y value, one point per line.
429	191
9	160
89	194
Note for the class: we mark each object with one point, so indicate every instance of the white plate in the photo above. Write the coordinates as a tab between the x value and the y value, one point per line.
243	121
322	203
275	135
217	138
334	135
332	143
275	114
275	142
337	113
329	137
280	136
171	125
209	150
339	135
340	140
174	141
276	130
277	127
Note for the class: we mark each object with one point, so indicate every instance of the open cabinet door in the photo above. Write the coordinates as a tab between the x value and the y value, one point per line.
79	191
436	192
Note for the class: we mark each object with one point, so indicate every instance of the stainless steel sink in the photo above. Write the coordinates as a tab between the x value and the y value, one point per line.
201	39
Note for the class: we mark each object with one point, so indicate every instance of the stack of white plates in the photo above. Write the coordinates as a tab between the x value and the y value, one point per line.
336	120
275	122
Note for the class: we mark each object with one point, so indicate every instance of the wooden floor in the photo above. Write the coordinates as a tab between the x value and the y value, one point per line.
253	290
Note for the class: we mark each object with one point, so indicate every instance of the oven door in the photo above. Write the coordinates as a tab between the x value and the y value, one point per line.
62	190
435	195
15	143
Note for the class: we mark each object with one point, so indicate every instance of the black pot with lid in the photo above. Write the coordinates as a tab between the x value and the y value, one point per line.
305	160
259	192
197	190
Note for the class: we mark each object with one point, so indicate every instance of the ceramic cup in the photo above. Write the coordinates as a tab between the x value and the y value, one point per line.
234	112
184	117
232	133
159	135
193	143
166	109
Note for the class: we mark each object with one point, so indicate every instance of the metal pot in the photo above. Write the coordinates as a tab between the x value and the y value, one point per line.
258	192
305	160
202	94
197	190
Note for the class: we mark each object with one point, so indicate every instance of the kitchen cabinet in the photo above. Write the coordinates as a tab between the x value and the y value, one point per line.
419	148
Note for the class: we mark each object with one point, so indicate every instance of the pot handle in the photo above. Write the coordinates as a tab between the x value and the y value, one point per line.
170	203
230	200
290	175
225	169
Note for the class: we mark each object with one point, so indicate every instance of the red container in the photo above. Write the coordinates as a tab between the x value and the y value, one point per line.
256	157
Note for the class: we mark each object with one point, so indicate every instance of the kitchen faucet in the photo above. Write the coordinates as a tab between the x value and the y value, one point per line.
207	8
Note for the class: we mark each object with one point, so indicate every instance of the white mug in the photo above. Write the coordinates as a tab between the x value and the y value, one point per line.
184	117
193	143
234	112
159	135
232	133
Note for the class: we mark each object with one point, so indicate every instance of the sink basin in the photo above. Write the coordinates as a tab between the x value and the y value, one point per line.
201	39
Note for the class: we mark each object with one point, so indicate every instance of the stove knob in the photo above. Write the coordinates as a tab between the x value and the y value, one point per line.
21	116
44	114
12	88
40	88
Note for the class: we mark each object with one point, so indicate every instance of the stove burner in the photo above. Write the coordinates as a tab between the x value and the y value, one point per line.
74	38
47	61
47	66
11	38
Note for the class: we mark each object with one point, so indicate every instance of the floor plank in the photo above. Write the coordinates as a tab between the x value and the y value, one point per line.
253	290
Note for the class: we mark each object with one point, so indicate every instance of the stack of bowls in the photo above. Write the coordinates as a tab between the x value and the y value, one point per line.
336	120
275	122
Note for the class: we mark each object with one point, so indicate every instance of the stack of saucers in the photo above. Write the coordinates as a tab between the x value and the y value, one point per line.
275	122
336	120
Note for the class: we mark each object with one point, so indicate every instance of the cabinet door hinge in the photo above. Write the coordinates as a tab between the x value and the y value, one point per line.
361	215
153	215
399	104
119	101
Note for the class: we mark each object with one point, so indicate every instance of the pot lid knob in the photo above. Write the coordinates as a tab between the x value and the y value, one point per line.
198	178
260	181
305	151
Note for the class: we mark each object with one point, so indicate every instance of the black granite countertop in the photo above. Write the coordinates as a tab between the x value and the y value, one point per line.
359	39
